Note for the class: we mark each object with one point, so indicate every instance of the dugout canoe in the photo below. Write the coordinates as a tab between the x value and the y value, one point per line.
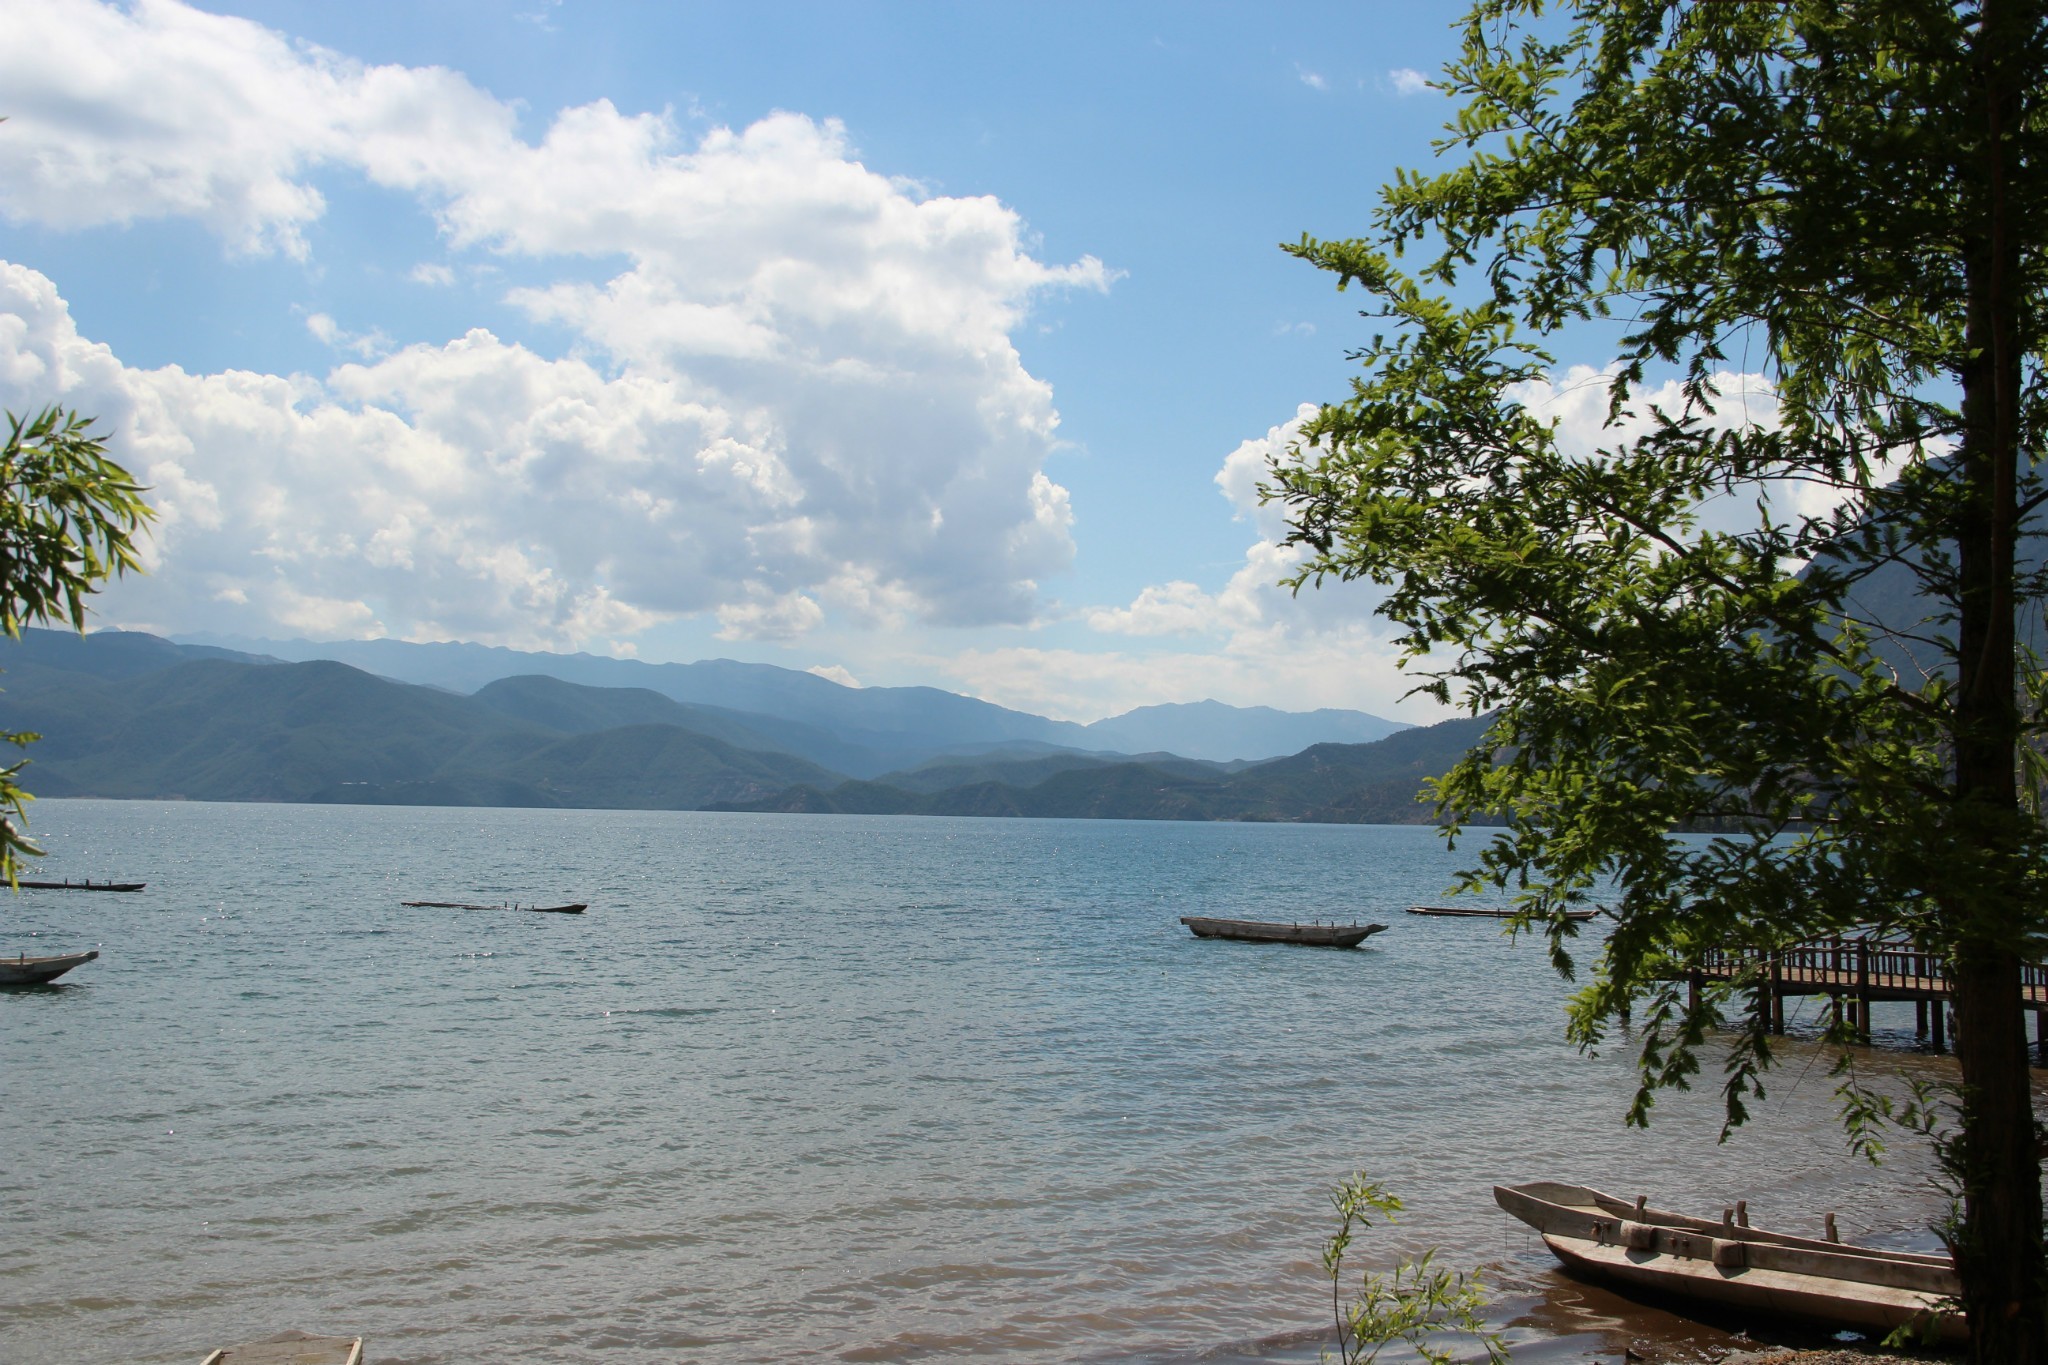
1730	1265
87	885
575	908
36	971
291	1348
1484	912
1281	931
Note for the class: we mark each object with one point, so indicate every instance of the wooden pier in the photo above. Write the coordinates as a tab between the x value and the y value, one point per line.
1858	972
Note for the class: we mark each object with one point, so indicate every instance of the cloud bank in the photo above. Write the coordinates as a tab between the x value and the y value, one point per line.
1252	638
797	401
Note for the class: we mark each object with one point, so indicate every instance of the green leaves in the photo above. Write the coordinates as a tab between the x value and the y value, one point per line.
1418	1302
68	521
1660	647
68	518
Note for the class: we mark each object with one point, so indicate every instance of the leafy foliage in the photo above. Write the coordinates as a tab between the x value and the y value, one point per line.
68	519
1419	1302
1670	628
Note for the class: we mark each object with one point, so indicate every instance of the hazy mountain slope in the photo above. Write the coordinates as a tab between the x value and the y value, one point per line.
108	653
941	774
220	731
661	767
1209	729
576	708
880	717
223	731
1375	783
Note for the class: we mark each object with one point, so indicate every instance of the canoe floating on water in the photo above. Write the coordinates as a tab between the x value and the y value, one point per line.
1731	1265
1275	931
36	971
87	885
291	1348
574	909
1484	912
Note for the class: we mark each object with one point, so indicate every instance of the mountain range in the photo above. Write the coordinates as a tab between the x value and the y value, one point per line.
124	714
899	726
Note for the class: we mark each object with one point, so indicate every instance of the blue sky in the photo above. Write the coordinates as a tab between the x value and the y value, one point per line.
913	343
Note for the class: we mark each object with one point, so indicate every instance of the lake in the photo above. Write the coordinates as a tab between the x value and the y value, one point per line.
796	1087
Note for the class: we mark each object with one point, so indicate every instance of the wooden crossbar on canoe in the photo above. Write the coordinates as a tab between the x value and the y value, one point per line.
36	971
1275	931
1484	912
87	885
575	908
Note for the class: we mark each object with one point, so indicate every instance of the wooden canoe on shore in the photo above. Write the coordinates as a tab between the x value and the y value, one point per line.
87	885
1484	912
1276	931
36	971
576	908
291	1348
1730	1265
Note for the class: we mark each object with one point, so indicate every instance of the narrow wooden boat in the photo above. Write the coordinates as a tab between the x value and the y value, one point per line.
1274	931
291	1348
576	908
1484	912
35	971
1730	1265
87	885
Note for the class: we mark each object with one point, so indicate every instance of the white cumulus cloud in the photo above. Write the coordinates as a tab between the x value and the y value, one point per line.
1246	635
797	396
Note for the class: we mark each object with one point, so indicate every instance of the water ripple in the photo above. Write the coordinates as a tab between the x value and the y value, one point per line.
847	1089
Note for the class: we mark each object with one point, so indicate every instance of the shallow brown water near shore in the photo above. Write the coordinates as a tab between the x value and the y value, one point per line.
803	1088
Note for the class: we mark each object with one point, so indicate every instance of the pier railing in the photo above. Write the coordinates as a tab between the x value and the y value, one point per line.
1858	971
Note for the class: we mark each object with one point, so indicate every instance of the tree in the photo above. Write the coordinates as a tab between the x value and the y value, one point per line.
1418	1303
1847	196
68	518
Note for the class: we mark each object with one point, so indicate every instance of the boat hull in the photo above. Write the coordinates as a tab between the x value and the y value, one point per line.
37	971
1729	1265
87	885
1271	931
1874	1309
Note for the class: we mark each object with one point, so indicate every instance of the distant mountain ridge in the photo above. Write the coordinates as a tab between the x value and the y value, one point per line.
130	715
899	726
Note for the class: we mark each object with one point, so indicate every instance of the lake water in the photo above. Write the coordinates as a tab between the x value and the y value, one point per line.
835	1088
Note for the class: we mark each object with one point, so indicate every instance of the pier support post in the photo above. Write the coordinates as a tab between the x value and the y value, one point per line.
1863	989
1920	1018
1939	1010
1777	986
2041	1035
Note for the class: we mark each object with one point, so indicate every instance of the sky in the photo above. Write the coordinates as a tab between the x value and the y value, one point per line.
915	343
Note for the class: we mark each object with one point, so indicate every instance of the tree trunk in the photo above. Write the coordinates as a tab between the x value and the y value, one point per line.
1999	1251
1999	1248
